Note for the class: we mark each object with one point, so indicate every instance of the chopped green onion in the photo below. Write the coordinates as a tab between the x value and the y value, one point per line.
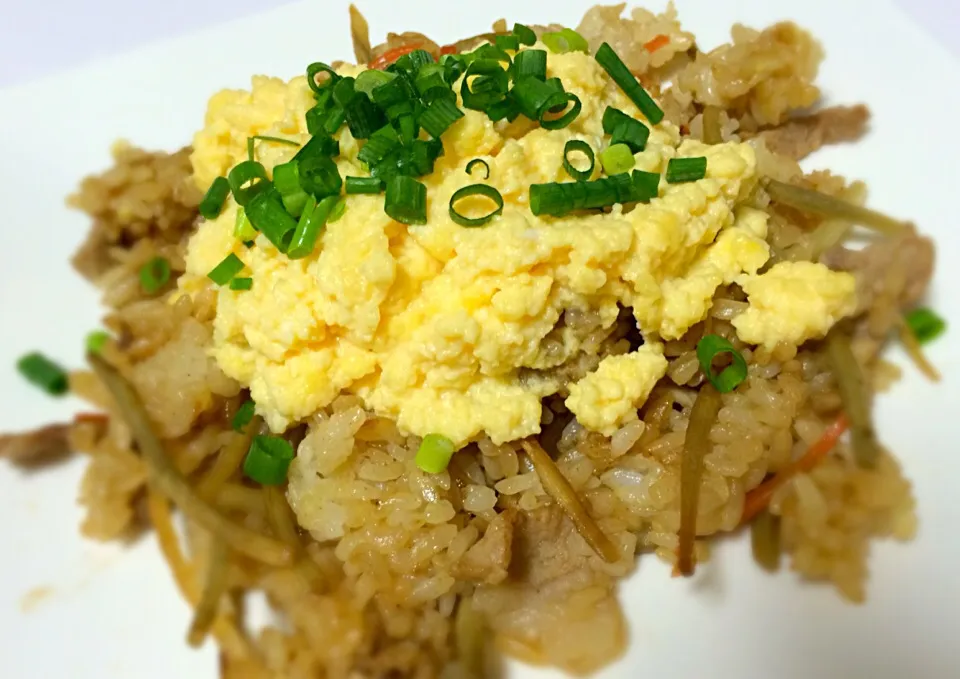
532	95
242	228
320	176
313	70
268	460
268	216
617	158
334	119
363	185
224	272
294	202
524	34
286	178
370	80
646	185
554	102
625	130
484	84
244	415
557	199
406	200
507	42
434	453
413	61
681	170
578	146
621	75
338	211
439	115
393	92
565	40
478	161
244	283
506	109
44	373
380	144
530	63
363	117
97	340
475	190
488	51
263	137
316	117
249	171
212	201
708	349
925	324
154	275
319	145
312	222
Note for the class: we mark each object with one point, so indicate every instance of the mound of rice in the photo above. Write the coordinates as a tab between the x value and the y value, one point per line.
400	569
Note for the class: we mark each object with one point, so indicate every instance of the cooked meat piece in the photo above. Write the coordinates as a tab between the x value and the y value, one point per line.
799	137
488	560
898	268
36	448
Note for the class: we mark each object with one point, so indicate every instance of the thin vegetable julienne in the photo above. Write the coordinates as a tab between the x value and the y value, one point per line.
856	397
696	445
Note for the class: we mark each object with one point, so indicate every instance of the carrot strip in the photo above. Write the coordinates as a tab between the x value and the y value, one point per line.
758	498
657	42
448	49
391	55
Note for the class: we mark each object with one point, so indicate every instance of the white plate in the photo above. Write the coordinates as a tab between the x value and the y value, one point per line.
109	612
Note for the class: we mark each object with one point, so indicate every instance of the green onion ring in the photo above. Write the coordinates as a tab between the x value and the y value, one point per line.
475	190
478	161
564	120
573	146
247	171
711	346
318	67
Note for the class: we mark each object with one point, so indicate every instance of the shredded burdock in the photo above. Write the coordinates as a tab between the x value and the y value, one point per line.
856	397
214	587
696	445
765	540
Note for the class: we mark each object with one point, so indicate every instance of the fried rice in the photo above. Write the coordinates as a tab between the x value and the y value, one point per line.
422	575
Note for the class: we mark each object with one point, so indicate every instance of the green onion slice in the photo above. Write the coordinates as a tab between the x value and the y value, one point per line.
268	460
363	185
484	84
224	272
524	34
554	102
507	42
268	216
370	80
97	340
338	211
406	200
154	275
530	63
244	415
578	146
434	453
681	170
617	158
475	190
565	40
44	373
319	145
320	176
646	185
439	115
621	75
248	172
213	200
315	69
311	224
242	228
708	349
286	177
925	324
239	283
479	161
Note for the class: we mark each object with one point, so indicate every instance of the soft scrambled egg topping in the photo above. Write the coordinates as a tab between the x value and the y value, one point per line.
431	325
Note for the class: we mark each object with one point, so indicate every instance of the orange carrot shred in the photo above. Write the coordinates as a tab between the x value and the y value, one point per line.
657	42
391	55
448	49
758	498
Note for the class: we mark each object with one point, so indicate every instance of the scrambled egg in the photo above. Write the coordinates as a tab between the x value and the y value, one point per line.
432	325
